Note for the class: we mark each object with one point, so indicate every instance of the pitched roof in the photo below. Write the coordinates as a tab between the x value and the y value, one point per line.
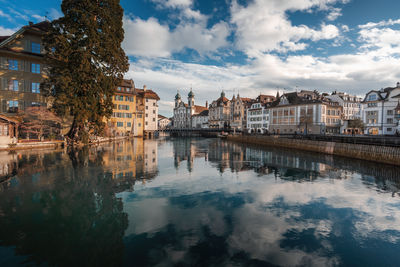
128	83
160	117
12	120
40	27
203	113
148	93
246	99
199	109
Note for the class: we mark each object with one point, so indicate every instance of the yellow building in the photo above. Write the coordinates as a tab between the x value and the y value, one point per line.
122	120
22	69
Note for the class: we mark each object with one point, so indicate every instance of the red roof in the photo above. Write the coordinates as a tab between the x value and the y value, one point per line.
199	109
147	93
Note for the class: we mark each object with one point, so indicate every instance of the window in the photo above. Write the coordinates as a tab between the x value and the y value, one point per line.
154	119
147	107
119	88
147	123
147	100
139	124
12	64
372	97
147	115
139	116
35	68
4	130
35	48
389	120
35	104
128	124
120	124
13	85
389	129
36	88
12	106
390	112
154	112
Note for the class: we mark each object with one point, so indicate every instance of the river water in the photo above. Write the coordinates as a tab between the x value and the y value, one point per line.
202	202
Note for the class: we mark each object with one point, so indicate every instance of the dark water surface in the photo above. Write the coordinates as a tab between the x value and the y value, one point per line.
196	202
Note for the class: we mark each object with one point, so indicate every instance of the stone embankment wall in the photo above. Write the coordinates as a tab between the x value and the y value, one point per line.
382	154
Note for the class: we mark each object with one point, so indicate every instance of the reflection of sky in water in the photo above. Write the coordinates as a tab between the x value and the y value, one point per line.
205	216
197	202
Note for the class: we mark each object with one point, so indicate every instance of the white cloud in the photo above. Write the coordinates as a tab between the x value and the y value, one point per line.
389	22
264	26
148	38
334	14
5	31
5	15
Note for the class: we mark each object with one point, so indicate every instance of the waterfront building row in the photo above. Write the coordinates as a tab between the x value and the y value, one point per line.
299	112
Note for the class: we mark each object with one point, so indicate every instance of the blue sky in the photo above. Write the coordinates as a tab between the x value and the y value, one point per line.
248	47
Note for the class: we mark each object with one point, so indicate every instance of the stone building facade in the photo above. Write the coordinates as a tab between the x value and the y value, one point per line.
219	113
22	68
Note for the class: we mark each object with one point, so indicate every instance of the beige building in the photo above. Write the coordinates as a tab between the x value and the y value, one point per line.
148	108
238	112
304	112
163	122
8	131
219	113
22	69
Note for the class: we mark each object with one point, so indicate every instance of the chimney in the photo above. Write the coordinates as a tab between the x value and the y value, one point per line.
206	104
398	84
144	87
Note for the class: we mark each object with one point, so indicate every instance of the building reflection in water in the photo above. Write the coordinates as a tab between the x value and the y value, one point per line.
70	208
61	208
285	163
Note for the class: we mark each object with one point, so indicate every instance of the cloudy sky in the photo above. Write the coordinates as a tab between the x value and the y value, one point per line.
248	46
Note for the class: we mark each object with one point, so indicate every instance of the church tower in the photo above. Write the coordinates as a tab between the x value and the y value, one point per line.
191	98
177	99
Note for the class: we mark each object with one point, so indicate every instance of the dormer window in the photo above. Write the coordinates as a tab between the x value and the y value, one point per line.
372	97
35	48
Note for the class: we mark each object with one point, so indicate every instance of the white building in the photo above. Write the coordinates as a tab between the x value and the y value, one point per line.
352	107
183	112
150	99
380	110
200	120
163	122
258	118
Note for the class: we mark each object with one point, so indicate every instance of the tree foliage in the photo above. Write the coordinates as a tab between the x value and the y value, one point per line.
86	63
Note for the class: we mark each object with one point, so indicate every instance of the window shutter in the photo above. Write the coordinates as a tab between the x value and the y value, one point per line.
2	62
28	45
27	66
5	84
4	105
21	65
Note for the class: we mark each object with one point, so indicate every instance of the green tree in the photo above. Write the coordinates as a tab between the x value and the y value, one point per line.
85	64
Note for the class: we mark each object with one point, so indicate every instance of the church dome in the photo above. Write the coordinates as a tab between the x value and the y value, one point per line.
190	94
178	96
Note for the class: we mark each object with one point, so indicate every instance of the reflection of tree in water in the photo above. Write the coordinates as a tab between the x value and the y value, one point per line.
77	221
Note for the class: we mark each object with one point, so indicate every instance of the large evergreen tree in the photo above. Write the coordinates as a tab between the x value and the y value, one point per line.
86	63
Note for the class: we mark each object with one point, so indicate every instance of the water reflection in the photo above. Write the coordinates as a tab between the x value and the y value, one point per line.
196	202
